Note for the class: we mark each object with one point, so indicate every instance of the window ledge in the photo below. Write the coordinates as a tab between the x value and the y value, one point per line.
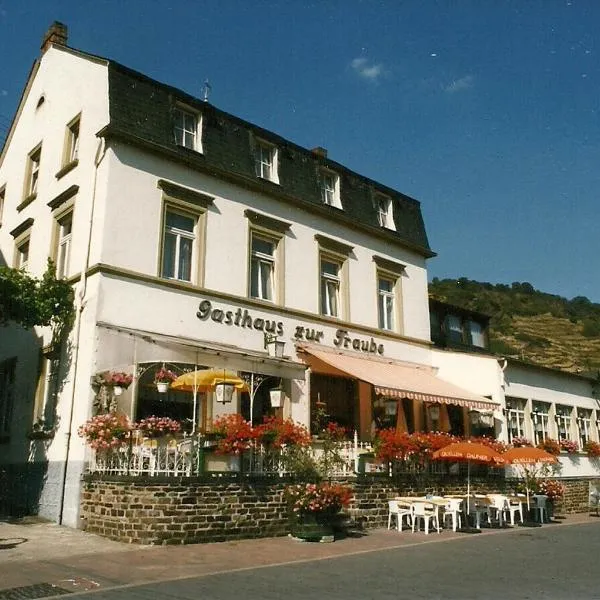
273	181
68	167
27	201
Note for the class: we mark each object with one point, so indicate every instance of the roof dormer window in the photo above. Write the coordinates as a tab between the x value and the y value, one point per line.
385	216
266	161
330	188
187	129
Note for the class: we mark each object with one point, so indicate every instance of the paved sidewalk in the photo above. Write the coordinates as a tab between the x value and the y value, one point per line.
47	555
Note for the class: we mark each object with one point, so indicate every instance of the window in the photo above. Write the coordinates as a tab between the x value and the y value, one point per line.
72	142
477	334
63	251
22	256
563	421
435	325
2	198
539	416
385	217
515	418
179	235
262	266
454	330
330	189
46	393
33	172
266	162
330	286
7	384
584	422
186	129
386	304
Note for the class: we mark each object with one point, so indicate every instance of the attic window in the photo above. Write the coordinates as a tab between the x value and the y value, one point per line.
40	102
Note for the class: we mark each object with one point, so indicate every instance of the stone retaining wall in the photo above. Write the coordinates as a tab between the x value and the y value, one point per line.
151	511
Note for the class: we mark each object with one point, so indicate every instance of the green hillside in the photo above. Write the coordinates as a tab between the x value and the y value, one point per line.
531	325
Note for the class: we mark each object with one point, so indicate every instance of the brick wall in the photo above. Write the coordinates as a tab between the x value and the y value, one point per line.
151	511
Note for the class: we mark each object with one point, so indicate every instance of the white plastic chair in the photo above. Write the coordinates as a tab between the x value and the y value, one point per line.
426	512
453	509
480	507
399	511
498	505
540	506
515	507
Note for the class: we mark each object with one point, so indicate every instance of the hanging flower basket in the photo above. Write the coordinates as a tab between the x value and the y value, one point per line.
163	378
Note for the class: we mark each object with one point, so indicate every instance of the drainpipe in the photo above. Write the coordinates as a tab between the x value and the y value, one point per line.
80	302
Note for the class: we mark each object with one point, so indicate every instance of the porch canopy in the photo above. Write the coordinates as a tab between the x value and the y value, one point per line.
417	382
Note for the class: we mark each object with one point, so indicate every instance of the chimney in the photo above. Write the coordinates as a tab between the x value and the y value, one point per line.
56	34
320	151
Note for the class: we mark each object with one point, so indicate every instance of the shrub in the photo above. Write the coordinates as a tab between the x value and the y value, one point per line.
552	488
521	442
318	498
277	433
569	446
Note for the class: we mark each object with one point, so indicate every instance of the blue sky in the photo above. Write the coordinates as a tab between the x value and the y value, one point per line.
487	111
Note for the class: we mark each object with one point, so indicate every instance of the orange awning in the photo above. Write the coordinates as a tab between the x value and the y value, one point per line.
395	380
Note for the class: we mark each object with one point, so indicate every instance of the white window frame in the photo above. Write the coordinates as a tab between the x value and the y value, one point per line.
584	426
564	421
540	420
267	161
22	257
63	244
325	304
384	297
515	418
179	235
262	260
72	141
480	333
192	135
385	211
34	159
7	392
330	188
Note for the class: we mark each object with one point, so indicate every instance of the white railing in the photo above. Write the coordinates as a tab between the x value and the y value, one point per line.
183	458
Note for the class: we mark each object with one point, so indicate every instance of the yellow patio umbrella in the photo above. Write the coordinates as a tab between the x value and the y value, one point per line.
206	380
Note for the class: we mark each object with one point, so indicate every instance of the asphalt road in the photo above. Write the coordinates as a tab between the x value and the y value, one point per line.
551	562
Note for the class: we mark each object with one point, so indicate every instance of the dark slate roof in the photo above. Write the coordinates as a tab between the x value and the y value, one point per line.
142	112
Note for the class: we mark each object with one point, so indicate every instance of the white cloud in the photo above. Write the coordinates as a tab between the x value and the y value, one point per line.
459	85
364	68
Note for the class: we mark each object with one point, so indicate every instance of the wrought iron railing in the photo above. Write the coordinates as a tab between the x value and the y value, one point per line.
192	456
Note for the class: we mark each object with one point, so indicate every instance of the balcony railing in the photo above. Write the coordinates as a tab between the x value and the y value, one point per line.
190	457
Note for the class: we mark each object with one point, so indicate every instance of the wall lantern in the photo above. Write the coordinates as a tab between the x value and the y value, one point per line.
274	346
224	391
391	407
434	411
276	395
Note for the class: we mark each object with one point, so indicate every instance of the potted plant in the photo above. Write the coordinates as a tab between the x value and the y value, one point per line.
106	432
314	509
119	381
592	448
551	446
163	378
157	427
569	446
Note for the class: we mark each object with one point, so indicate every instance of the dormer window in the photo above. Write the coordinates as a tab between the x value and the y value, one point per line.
330	189
187	129
383	205
266	162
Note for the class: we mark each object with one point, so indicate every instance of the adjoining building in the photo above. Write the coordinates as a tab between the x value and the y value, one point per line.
193	240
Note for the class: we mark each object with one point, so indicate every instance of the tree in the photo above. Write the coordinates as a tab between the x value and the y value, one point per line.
28	301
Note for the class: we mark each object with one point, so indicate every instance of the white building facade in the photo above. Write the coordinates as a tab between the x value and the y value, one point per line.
194	239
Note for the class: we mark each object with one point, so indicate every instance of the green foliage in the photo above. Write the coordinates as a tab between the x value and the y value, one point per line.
28	301
530	324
